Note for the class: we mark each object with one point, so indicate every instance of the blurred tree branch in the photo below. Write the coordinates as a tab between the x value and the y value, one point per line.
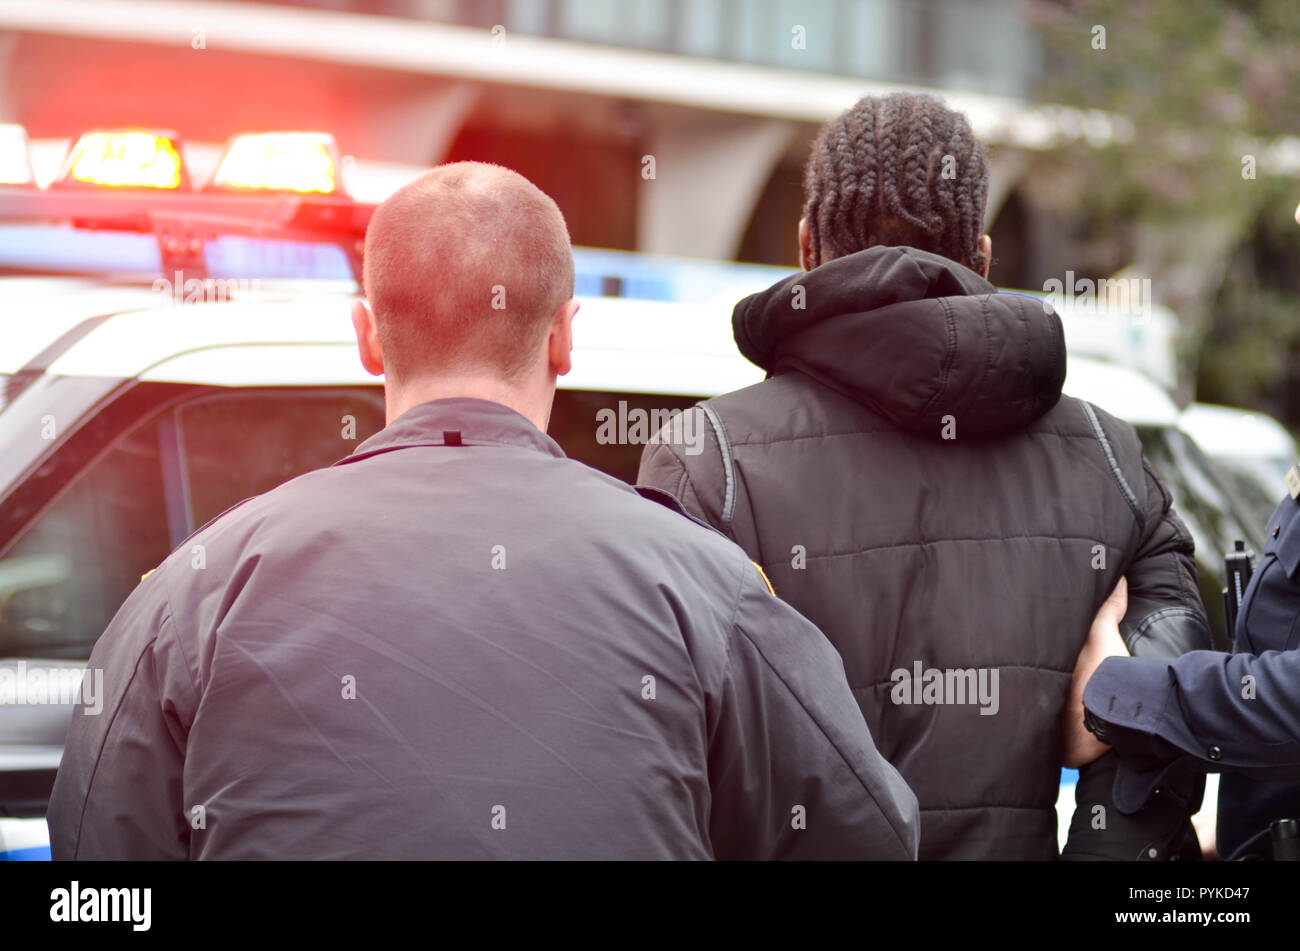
1206	84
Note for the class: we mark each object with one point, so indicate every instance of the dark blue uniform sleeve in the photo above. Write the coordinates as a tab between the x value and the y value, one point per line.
1235	712
1210	711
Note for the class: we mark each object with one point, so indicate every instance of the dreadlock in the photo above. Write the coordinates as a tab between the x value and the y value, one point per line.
901	169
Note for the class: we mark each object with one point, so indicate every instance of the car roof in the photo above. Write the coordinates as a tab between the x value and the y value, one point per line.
37	311
303	336
1231	431
300	333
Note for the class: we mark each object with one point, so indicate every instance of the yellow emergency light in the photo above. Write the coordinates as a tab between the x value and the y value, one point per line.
301	162
124	158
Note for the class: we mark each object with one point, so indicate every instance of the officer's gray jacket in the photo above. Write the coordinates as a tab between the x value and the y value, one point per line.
458	643
913	481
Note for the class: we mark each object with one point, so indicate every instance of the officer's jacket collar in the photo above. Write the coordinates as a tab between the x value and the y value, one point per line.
461	420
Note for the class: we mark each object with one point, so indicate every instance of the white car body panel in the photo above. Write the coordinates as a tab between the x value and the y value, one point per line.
629	345
1121	391
1229	431
34	312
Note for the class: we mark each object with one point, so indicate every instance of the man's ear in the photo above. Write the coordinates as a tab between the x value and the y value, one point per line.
805	245
986	246
559	345
363	322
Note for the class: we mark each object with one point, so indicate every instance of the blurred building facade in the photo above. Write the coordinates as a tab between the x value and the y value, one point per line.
666	126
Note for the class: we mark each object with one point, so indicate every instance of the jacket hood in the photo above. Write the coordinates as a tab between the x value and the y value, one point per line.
913	336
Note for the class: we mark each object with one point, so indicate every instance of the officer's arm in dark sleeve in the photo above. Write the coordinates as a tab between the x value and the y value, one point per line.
793	769
118	790
1206	709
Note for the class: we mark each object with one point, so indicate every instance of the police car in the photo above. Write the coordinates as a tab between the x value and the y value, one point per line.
1252	450
167	350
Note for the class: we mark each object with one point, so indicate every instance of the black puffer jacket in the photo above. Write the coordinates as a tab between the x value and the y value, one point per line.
989	551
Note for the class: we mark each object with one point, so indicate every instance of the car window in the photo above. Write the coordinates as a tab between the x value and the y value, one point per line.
237	445
1207	507
1200	492
69	572
71	569
1257	484
608	430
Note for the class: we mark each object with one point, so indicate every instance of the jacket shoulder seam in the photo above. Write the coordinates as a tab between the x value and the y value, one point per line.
728	465
685	481
949	357
1104	441
103	744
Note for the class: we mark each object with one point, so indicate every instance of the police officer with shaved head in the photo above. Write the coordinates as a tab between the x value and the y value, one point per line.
458	643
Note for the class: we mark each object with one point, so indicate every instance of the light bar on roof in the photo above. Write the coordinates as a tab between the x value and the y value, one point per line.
301	162
15	163
125	158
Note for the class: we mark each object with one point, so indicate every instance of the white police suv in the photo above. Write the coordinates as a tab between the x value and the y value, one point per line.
167	350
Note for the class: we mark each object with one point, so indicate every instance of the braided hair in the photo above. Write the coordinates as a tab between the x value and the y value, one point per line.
901	169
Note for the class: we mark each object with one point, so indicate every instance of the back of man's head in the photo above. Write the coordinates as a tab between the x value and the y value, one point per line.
901	169
464	269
